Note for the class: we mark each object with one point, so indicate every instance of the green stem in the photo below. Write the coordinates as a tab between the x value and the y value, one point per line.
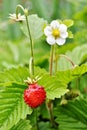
77	82
50	111
56	58
17	8
30	37
51	60
73	64
50	104
37	127
31	43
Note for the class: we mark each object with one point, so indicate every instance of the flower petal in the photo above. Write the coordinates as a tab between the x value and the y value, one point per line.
51	40
14	18
55	24
60	41
64	34
63	28
48	31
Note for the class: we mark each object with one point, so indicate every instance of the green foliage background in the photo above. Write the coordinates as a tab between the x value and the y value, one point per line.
70	110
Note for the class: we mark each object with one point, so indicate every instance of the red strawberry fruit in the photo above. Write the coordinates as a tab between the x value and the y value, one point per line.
34	95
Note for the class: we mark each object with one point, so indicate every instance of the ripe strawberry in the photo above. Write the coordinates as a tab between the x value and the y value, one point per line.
35	95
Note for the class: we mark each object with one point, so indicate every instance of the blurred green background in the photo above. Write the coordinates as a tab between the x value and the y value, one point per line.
14	46
47	9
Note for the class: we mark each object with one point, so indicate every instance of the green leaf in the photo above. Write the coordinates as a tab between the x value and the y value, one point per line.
68	75
70	34
54	88
16	75
22	125
83	84
72	116
68	22
44	126
12	105
36	25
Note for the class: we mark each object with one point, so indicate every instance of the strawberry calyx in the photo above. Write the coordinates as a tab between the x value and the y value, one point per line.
30	81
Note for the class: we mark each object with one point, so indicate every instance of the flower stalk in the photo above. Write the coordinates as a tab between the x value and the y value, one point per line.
73	64
31	45
17	9
56	58
51	60
50	103
31	67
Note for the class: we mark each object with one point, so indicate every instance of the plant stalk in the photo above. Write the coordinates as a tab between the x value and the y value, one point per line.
56	59
31	45
17	8
50	110
51	60
73	64
50	104
30	38
37	127
77	83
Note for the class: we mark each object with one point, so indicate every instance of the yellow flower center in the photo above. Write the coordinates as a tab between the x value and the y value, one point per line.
56	33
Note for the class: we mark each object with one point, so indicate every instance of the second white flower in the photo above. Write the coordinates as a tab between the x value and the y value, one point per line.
56	33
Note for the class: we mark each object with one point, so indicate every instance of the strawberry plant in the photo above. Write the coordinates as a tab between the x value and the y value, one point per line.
41	90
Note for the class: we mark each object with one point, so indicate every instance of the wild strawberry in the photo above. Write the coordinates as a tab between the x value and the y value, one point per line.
35	95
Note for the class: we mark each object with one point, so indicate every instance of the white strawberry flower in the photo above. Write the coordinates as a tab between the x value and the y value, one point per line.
18	18
56	33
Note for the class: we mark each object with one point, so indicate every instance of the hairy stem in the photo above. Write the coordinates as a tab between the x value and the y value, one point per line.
50	111
56	59
51	60
73	64
50	103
